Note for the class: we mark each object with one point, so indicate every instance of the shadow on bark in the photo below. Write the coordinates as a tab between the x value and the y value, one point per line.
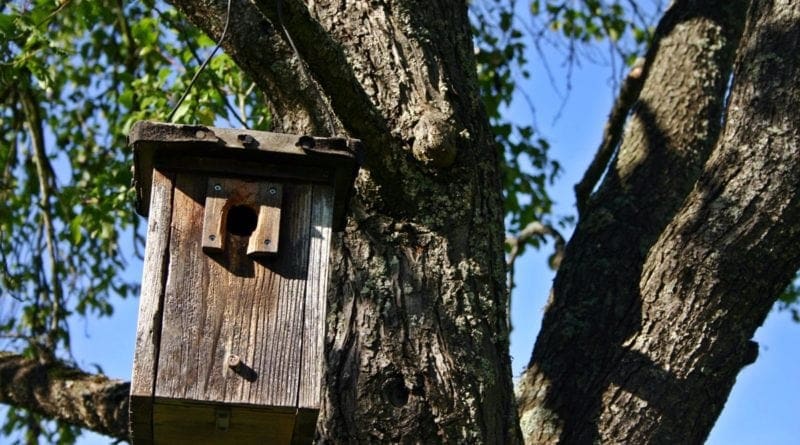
617	235
598	305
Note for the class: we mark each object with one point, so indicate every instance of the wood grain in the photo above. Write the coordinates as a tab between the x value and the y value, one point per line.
214	217
264	240
216	305
149	326
316	294
183	423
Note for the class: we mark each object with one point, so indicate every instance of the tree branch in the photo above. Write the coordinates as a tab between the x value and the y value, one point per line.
44	172
328	65
515	243
535	229
60	391
612	133
628	96
258	47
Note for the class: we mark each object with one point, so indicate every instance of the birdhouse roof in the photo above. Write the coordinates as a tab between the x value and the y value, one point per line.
242	153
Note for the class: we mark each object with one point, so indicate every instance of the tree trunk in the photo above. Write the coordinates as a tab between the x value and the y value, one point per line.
675	262
670	273
417	348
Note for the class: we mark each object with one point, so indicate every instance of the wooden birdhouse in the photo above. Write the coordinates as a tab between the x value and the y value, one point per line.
229	344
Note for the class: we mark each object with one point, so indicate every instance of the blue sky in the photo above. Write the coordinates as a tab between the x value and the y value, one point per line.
762	407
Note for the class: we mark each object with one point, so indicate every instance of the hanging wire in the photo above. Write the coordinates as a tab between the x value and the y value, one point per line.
279	7
203	66
331	122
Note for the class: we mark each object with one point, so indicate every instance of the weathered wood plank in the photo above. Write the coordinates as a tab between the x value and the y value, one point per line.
264	240
316	295
281	337
177	422
228	303
213	217
305	426
150	308
185	298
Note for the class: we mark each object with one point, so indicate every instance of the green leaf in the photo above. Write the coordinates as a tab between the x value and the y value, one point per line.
182	110
75	227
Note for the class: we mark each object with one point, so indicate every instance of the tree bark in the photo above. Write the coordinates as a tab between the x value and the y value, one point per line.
667	278
417	348
674	264
63	392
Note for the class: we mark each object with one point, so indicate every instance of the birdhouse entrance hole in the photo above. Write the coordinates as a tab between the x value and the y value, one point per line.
241	220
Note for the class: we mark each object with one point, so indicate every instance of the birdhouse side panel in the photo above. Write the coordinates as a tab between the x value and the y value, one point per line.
156	256
219	305
316	297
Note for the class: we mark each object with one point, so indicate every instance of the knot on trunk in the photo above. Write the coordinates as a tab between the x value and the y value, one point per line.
435	138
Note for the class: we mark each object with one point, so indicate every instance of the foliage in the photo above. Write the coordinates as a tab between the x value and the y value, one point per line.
36	428
74	76
504	39
789	299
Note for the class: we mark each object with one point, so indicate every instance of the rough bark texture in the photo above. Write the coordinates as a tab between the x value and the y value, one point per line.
667	278
63	392
674	264
417	337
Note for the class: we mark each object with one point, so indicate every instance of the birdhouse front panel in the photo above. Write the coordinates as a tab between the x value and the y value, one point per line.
234	323
231	325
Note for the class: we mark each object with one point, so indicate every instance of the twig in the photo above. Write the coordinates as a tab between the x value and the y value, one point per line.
44	173
612	133
534	229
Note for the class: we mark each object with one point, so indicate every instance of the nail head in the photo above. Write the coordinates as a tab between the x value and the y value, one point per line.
234	361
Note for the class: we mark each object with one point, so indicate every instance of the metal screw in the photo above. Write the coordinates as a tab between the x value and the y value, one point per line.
217	187
212	237
266	242
234	362
273	191
200	134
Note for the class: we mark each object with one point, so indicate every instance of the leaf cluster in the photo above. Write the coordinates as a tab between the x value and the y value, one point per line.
504	38
501	54
74	77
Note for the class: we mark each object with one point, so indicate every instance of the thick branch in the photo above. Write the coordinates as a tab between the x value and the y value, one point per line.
329	66
60	391
717	269
597	304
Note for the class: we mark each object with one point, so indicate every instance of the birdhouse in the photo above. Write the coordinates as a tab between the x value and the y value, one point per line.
230	338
